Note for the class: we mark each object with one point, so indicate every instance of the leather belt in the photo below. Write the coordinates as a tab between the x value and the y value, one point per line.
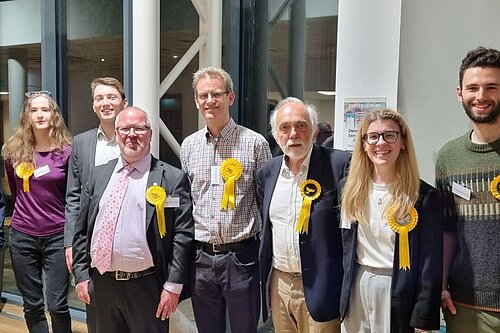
125	276
214	249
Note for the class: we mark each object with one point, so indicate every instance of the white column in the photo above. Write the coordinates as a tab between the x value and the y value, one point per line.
210	24
367	54
146	62
17	85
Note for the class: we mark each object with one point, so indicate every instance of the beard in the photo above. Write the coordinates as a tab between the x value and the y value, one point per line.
482	119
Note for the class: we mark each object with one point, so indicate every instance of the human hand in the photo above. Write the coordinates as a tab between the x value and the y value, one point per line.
68	252
418	330
82	291
447	302
168	304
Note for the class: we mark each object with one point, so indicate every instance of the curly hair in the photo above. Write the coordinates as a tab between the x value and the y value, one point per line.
20	146
479	57
404	189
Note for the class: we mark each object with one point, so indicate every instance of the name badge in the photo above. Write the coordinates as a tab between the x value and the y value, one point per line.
461	191
171	202
215	175
43	170
344	224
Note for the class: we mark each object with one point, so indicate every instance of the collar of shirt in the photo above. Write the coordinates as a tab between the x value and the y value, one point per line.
141	165
101	136
303	168
224	134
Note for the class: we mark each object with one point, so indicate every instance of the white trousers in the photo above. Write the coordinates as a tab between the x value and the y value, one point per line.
370	302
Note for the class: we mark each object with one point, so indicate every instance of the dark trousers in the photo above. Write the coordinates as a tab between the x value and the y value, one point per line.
30	256
226	280
127	306
90	309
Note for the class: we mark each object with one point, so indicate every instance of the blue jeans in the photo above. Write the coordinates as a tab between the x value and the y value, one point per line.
226	281
30	255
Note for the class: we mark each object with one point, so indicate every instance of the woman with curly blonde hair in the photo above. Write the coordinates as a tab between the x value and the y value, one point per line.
36	163
391	232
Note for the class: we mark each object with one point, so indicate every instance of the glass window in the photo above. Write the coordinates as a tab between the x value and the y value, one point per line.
313	24
94	49
179	29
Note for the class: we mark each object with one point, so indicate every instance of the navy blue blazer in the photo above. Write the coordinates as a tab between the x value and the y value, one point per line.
415	293
321	248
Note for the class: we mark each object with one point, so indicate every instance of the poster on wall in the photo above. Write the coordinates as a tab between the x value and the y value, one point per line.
355	109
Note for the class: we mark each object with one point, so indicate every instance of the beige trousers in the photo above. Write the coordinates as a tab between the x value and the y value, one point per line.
288	306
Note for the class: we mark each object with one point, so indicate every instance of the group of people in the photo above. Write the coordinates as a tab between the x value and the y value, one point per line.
319	239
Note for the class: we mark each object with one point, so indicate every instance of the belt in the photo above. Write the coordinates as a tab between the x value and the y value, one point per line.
125	276
214	249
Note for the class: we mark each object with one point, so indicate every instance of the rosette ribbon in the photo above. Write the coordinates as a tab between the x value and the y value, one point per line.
230	171
310	190
25	170
409	223
494	187
156	196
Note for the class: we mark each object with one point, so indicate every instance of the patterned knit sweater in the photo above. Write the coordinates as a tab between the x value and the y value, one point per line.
474	277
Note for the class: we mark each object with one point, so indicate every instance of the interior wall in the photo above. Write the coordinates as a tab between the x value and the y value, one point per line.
367	54
435	36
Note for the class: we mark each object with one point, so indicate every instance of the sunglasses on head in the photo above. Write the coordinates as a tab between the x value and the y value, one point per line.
35	93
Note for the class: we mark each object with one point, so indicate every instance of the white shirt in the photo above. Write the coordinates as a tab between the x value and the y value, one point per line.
376	239
105	150
284	211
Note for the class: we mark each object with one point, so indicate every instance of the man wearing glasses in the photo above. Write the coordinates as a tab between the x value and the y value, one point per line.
90	149
133	235
301	258
222	161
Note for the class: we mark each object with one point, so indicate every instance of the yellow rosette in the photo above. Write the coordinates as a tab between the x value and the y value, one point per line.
494	187
403	228
310	190
230	171
25	170
156	195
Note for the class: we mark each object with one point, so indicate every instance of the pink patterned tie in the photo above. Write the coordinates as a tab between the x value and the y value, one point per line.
108	223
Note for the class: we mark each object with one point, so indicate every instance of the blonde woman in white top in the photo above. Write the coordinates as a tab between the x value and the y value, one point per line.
391	233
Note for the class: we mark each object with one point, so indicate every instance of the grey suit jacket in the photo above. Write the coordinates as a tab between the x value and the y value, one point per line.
81	163
171	254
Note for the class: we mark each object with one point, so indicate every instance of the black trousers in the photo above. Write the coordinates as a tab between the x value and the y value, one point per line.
127	306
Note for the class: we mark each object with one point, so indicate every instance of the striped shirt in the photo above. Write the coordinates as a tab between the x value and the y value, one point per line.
201	157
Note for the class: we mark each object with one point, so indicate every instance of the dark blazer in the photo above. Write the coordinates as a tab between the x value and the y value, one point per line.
81	163
171	254
416	293
321	248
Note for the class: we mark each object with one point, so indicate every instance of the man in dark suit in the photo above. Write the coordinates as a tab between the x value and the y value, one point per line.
90	149
138	289
301	255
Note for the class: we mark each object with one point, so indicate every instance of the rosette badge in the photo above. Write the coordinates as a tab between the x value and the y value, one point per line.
403	227
25	170
230	171
156	196
494	187
310	190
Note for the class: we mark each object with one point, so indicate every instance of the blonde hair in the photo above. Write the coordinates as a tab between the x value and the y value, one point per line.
211	72
20	146
404	189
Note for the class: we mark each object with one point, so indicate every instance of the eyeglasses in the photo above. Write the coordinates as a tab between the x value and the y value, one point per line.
373	137
137	129
35	93
214	94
